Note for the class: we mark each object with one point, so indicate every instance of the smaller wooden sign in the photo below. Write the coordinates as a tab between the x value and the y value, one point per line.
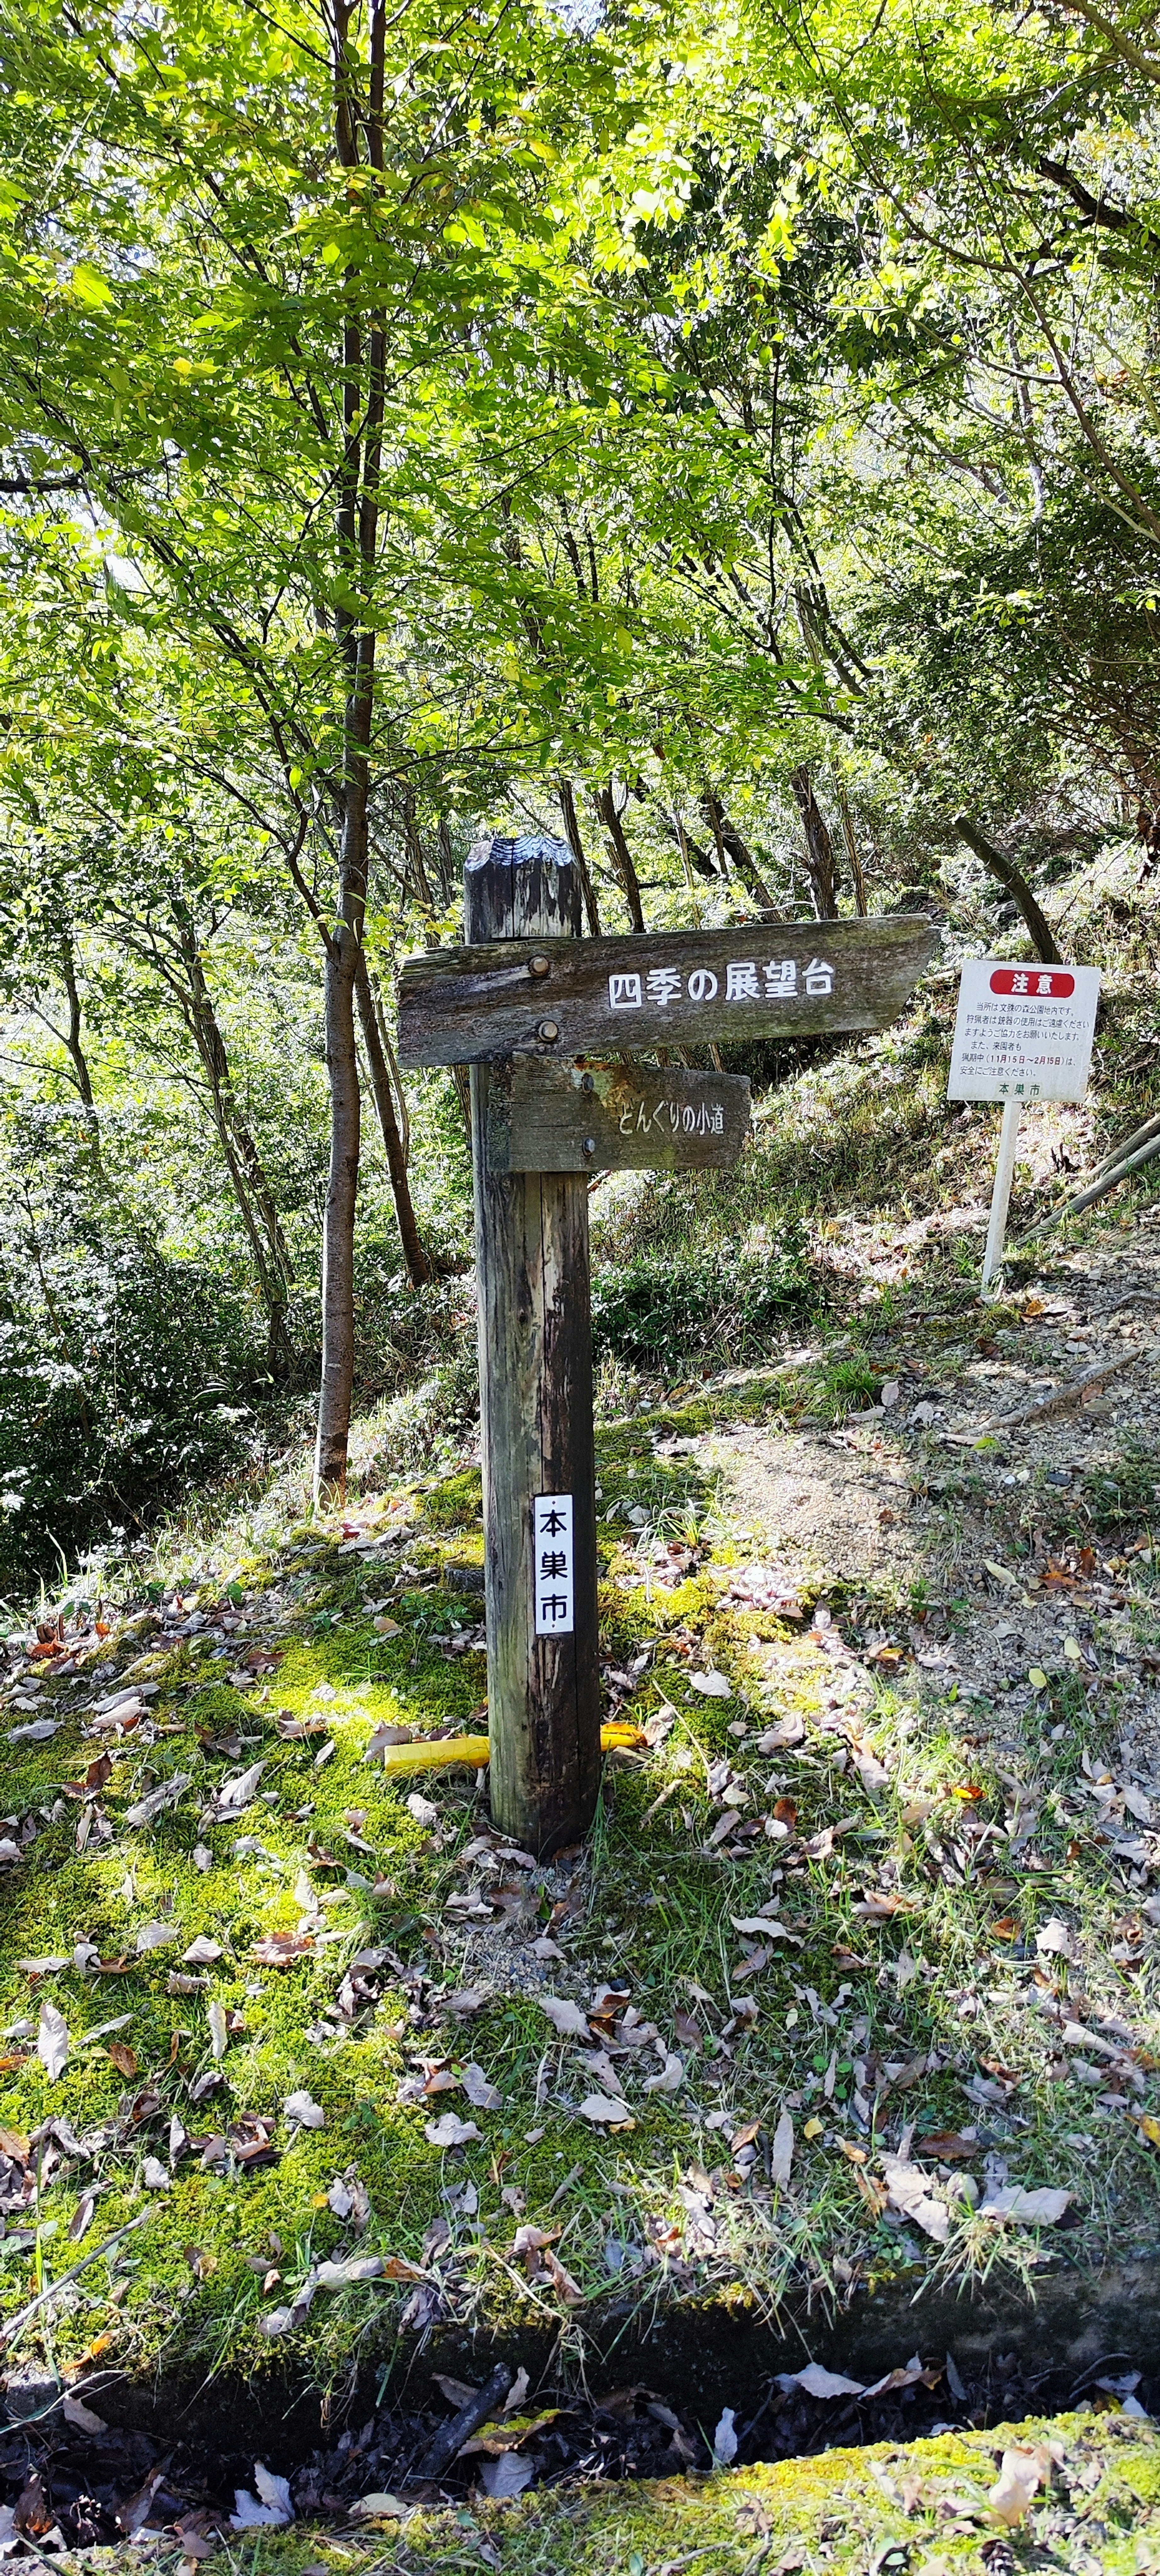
614	1118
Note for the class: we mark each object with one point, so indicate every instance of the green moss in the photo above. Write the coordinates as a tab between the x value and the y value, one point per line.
845	2511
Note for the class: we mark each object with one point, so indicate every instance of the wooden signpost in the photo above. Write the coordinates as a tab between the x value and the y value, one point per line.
519	1003
613	1118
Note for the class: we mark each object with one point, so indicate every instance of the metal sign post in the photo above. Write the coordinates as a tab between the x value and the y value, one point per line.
520	1002
1022	1033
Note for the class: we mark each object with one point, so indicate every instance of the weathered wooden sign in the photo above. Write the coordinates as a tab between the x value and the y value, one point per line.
518	1003
569	997
613	1118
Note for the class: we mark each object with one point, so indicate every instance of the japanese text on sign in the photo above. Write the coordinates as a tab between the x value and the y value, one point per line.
552	1564
677	1117
745	981
1023	1032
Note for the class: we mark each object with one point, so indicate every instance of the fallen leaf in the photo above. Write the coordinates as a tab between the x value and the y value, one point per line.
422	1809
451	2131
710	1684
154	2175
154	1936
275	2509
301	2108
565	2017
354	2268
1015	2488
282	1949
819	2382
670	2079
82	2417
38	1731
482	2094
52	2042
166	1794
767	1925
603	2111
218	2033
813	2128
467	1999
1040	2208
725	2439
1055	1941
202	1952
909	2192
781	2153
124	2058
506	2477
1037	1677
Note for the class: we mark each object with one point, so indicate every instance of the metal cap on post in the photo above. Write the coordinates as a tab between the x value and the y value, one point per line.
535	1369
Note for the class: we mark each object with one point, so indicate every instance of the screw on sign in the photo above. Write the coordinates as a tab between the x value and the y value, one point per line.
529	1005
1022	1033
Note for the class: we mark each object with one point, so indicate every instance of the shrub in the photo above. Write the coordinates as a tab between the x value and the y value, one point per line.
125	1378
663	1311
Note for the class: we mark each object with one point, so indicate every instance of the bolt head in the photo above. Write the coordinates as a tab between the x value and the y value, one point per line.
548	1031
590	1144
539	965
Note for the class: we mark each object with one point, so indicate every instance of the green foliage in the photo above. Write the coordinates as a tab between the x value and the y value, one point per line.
667	1311
126	1375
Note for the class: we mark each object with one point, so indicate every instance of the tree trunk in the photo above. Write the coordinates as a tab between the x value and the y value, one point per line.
819	846
420	1268
1013	879
251	1187
731	846
576	845
855	864
77	1056
605	803
337	1387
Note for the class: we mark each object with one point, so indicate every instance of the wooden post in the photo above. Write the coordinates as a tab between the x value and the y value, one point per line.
1001	1194
535	1371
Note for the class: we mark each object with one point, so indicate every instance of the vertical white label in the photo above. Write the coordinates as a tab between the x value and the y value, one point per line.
552	1564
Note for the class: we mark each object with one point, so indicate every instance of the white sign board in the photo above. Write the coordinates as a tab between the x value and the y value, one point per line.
1023	1033
553	1565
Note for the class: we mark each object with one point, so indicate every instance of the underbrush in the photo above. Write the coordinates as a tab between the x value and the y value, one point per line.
666	1310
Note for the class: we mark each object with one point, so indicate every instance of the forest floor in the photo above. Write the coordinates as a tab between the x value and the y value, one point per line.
853	1986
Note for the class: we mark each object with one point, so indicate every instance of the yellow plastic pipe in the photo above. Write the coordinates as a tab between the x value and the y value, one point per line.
439	1754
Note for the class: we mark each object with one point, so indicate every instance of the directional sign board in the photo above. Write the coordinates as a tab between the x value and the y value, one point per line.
614	1118
569	997
1023	1033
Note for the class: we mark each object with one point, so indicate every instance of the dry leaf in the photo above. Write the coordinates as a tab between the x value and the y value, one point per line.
603	2111
480	2091
124	2058
671	2077
781	2154
218	2033
202	1952
301	2108
1015	2489
711	1685
565	2017
282	1949
819	2382
154	2175
451	2131
1028	2208
52	2042
910	2193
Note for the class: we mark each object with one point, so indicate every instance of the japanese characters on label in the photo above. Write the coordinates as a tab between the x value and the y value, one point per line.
553	1572
1023	1032
681	1118
745	981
